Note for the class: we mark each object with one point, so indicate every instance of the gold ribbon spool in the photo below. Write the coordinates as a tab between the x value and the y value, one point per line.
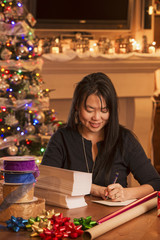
27	197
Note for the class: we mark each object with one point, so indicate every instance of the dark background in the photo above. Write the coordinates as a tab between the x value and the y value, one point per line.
83	9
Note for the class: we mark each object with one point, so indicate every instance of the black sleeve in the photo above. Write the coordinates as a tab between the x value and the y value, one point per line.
139	165
55	153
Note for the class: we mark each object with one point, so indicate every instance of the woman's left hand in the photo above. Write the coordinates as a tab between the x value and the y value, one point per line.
115	192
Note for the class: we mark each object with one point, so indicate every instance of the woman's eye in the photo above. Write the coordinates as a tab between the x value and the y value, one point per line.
104	110
89	110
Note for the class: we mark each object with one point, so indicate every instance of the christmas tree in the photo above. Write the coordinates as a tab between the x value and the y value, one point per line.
26	122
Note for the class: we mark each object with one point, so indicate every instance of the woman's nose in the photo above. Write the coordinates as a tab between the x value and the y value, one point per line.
96	115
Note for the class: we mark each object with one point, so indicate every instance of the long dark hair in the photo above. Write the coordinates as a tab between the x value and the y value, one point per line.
101	85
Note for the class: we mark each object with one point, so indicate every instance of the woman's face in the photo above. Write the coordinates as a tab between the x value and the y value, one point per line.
96	114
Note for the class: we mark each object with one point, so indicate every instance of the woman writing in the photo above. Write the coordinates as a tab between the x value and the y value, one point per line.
94	141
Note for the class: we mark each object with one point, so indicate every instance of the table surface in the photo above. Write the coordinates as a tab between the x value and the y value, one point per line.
146	226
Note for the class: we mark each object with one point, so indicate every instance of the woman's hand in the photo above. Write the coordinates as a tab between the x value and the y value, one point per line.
118	194
115	192
98	191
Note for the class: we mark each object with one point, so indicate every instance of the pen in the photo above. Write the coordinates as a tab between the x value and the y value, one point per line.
115	180
116	177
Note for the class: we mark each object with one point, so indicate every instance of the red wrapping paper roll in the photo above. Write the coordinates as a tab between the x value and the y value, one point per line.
129	206
122	216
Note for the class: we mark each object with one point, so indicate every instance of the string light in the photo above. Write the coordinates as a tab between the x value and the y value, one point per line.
19	4
42	150
3	108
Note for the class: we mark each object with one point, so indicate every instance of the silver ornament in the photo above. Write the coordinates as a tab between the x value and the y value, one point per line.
6	54
34	89
30	129
12	150
43	129
16	79
23	150
39	116
3	86
22	51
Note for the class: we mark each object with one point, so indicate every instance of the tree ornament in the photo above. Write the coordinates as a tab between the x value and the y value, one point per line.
2	18
23	150
34	89
8	12
6	54
3	38
3	85
11	120
12	150
43	129
16	79
21	94
39	116
30	129
13	101
22	51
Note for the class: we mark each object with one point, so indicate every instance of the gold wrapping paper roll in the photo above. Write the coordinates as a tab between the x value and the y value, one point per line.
28	197
120	219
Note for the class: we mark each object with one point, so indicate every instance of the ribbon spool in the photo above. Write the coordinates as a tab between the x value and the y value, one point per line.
28	196
19	165
23	178
19	178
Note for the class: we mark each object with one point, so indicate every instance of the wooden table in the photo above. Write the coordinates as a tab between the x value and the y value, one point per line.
146	227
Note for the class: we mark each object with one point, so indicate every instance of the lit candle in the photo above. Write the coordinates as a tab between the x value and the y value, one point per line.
151	49
55	49
93	46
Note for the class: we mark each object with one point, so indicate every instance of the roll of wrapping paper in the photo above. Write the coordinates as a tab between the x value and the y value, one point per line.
129	206
158	204
122	216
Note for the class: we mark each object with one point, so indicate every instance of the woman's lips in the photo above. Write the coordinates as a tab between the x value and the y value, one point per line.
95	125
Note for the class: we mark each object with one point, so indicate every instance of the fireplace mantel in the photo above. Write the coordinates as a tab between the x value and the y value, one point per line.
132	77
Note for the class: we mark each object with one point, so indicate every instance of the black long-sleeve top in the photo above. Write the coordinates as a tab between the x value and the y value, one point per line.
65	150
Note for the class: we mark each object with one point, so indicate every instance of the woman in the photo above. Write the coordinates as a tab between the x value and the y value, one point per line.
94	141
